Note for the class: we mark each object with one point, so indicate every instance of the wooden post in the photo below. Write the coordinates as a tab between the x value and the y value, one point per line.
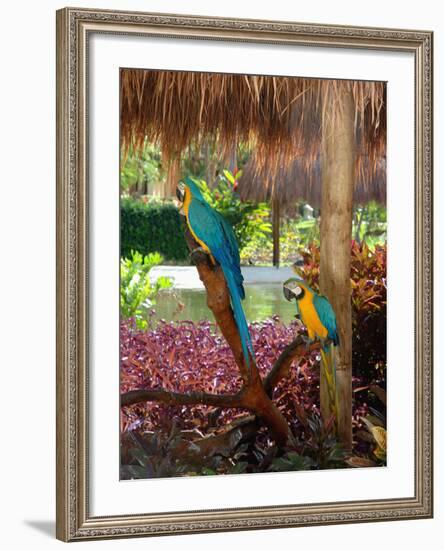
275	222
336	233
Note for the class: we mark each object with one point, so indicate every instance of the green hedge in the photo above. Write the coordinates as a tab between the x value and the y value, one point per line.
152	227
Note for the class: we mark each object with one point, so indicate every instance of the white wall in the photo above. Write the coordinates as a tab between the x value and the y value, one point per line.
28	302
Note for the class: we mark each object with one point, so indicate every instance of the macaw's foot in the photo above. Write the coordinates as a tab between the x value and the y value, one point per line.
198	254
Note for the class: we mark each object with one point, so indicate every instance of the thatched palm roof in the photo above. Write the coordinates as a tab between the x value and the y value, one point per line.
301	181
281	117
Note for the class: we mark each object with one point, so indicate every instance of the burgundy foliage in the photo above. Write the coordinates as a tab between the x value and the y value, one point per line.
185	356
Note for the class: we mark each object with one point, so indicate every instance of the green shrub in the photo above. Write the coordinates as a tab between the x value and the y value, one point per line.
250	221
370	224
152	227
137	293
294	234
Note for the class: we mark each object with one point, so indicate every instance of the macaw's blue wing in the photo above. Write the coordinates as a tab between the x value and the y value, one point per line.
233	251
211	227
326	316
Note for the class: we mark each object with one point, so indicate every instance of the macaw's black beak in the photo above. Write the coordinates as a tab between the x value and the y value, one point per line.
288	294
180	192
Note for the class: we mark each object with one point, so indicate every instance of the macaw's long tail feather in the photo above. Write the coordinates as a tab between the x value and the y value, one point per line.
328	364
239	315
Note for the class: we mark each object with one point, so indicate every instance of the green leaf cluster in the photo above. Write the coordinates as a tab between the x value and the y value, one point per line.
370	224
294	234
137	292
250	221
290	462
144	167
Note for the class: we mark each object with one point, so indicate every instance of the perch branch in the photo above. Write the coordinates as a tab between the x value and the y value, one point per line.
218	301
296	349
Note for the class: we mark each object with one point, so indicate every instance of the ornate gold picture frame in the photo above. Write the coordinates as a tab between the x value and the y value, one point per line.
74	211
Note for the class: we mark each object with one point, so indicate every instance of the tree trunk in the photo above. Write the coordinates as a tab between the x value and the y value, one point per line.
276	222
210	168
139	184
336	232
173	176
230	157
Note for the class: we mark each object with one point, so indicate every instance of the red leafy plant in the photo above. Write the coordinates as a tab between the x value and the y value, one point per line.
186	356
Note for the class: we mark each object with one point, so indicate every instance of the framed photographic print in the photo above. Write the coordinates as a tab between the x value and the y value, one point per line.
244	274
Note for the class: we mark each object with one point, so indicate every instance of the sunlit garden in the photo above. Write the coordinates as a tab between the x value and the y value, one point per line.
171	342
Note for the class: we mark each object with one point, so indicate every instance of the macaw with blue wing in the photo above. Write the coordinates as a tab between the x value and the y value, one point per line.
216	238
319	318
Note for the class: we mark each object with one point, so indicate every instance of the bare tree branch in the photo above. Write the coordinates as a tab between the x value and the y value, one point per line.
218	301
296	349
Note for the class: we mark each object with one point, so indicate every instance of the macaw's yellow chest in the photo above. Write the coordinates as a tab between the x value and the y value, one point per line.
310	317
186	207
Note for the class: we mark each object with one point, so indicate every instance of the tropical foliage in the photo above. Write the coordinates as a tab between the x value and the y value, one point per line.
201	137
161	440
250	221
299	232
294	234
154	225
137	292
141	170
370	224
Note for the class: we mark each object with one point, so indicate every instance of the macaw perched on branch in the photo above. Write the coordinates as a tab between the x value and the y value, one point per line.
216	238
317	314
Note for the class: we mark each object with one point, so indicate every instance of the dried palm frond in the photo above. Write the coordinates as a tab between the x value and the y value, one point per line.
176	108
280	116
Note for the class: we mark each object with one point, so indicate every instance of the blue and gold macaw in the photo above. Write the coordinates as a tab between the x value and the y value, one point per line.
319	318
215	236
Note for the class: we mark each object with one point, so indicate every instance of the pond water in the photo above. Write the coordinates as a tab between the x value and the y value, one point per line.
262	301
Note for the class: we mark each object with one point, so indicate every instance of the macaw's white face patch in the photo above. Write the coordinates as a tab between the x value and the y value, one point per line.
180	191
